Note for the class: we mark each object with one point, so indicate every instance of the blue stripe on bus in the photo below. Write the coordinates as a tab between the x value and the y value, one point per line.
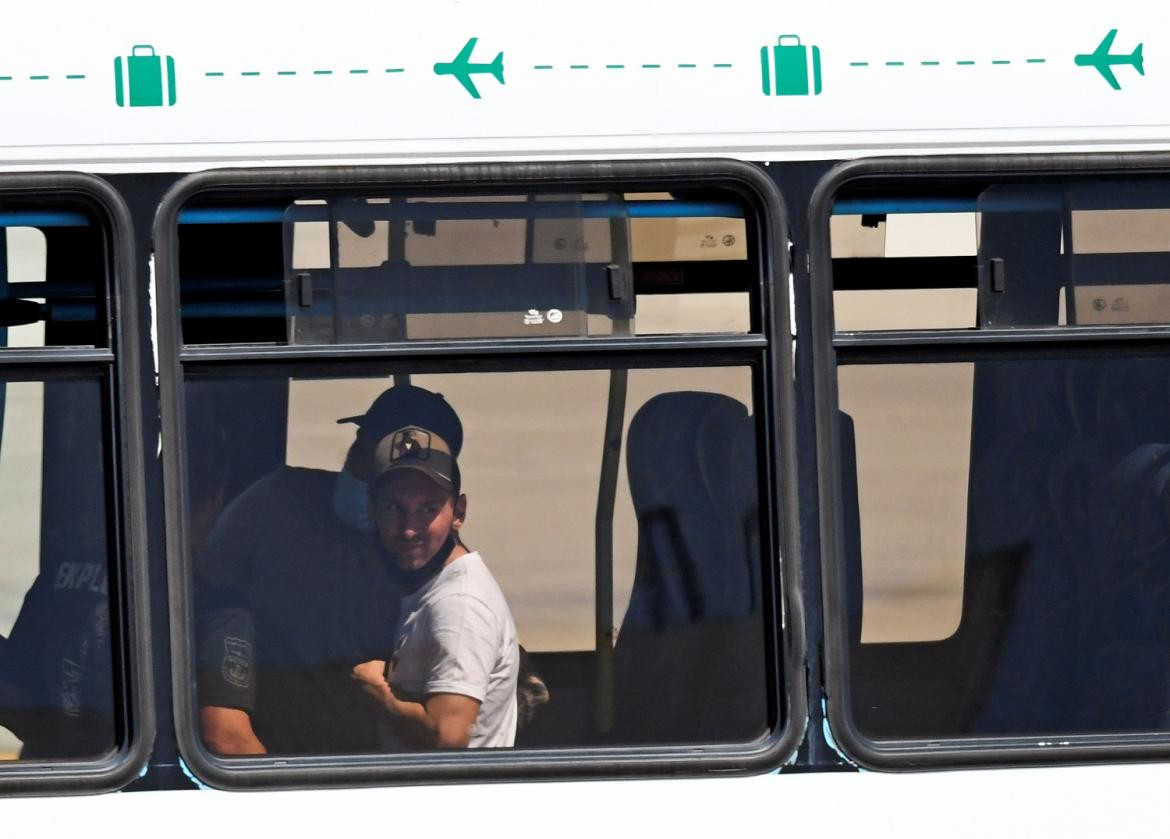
893	206
519	209
43	218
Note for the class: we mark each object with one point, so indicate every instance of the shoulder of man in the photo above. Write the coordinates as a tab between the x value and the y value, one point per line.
267	506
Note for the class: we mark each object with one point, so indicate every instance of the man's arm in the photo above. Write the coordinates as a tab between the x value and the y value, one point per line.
443	720
226	680
228	731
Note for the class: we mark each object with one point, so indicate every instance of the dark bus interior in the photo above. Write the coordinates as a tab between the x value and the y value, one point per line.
1066	574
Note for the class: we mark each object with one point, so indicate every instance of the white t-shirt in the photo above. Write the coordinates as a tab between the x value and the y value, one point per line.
457	636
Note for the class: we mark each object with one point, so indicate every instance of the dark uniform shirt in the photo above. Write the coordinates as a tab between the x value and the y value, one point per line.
288	600
56	671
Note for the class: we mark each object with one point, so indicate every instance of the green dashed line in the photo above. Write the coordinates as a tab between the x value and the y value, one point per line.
5	78
543	67
721	66
615	66
578	66
651	66
38	78
76	76
253	73
963	63
687	66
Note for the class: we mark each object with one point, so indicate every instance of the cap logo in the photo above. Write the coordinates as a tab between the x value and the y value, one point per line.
412	447
407	444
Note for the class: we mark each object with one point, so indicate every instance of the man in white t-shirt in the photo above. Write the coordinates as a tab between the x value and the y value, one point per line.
452	680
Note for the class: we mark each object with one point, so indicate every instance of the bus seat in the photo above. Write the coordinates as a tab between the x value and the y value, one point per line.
687	662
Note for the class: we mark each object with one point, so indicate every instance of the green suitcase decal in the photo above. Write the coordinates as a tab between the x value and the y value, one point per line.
140	80
790	68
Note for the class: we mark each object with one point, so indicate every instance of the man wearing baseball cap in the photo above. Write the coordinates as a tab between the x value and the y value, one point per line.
451	682
292	592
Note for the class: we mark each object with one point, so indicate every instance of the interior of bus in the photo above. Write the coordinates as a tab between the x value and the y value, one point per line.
1014	493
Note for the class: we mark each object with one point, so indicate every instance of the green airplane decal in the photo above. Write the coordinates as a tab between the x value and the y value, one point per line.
1100	60
462	68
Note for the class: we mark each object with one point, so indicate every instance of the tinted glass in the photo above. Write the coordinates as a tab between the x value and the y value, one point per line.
52	278
1008	550
634	582
905	270
56	671
402	268
1085	253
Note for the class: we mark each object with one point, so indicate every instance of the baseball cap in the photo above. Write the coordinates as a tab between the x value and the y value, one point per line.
421	449
408	405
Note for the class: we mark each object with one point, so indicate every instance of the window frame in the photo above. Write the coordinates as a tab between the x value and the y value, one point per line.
940	345
115	368
771	347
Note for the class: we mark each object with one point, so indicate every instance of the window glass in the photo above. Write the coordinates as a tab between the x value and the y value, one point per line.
400	268
56	665
1120	255
1089	253
636	620
1013	525
911	438
52	278
904	270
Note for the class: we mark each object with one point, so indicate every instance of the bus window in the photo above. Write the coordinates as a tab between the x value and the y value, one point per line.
898	270
1000	533
446	267
50	294
614	486
73	703
684	588
912	433
56	658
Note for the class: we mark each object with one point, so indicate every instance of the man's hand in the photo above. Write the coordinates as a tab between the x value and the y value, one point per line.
372	677
444	720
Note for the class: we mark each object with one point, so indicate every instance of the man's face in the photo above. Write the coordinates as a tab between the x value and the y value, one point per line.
414	516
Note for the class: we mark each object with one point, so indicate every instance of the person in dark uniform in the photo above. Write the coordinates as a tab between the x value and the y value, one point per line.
291	594
57	685
56	670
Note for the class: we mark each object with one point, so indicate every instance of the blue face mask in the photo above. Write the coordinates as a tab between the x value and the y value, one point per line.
351	501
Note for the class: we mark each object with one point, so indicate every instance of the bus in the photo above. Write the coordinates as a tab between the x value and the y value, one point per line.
808	367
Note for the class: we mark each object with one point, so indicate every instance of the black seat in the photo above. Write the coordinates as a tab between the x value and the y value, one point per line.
689	660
